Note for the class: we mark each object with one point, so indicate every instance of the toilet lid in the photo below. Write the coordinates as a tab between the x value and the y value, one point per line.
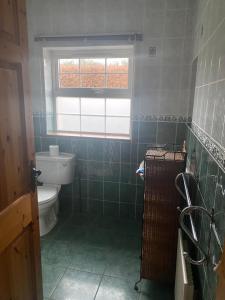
46	193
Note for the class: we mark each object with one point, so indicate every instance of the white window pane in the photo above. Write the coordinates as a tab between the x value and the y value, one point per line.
92	65
92	106
66	105
117	65
117	125
118	107
70	65
68	122
92	124
69	80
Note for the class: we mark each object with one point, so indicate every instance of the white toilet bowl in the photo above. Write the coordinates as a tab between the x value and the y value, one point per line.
48	207
55	171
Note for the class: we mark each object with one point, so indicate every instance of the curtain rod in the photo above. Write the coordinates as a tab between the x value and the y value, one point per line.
92	37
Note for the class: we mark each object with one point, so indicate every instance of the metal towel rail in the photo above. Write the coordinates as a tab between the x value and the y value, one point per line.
187	211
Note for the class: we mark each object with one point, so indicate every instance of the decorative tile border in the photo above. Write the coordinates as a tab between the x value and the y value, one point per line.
162	118
217	152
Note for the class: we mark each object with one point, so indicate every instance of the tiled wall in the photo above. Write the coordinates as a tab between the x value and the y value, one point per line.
105	181
209	47
206	143
210	194
160	104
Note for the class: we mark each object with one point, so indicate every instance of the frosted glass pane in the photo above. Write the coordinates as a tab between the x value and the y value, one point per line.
66	105
92	106
68	122
117	125
92	124
118	107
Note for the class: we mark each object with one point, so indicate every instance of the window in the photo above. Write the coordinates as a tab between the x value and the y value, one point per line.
92	91
111	73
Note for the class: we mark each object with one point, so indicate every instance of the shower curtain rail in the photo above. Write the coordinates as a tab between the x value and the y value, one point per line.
127	36
187	211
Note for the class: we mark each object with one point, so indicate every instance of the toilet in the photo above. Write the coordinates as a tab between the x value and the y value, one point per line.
55	171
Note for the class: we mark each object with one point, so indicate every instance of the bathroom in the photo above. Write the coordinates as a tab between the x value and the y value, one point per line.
104	82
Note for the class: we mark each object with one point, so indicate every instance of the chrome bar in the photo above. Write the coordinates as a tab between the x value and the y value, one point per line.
186	197
217	237
189	204
187	211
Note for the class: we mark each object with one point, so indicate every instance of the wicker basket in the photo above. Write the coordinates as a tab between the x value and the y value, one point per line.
160	217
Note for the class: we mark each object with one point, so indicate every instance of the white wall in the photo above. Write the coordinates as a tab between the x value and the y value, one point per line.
162	82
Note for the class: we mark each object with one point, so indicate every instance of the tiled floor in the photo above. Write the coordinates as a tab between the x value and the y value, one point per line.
86	258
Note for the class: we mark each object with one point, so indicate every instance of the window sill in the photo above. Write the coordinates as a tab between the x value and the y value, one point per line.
89	135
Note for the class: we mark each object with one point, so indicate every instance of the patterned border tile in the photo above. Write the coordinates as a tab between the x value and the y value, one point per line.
162	118
217	152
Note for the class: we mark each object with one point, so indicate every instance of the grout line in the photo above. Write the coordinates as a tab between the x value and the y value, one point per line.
203	46
103	182
202	12
211	83
41	144
204	191
60	278
204	113
213	113
109	181
215	191
84	271
157	131
176	133
99	284
223	131
120	173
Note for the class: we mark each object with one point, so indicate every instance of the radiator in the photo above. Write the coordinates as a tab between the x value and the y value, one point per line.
184	289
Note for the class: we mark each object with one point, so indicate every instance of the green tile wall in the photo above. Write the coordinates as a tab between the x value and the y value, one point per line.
209	121
211	179
105	182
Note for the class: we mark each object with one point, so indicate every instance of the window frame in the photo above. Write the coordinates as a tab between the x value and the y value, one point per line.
111	93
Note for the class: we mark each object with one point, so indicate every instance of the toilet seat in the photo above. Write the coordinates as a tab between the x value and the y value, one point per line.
46	194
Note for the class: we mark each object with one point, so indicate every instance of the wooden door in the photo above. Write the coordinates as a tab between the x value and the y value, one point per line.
20	268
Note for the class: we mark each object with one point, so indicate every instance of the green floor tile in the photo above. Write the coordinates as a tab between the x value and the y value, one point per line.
99	237
45	246
69	233
51	276
59	254
83	248
76	285
124	264
90	259
116	289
